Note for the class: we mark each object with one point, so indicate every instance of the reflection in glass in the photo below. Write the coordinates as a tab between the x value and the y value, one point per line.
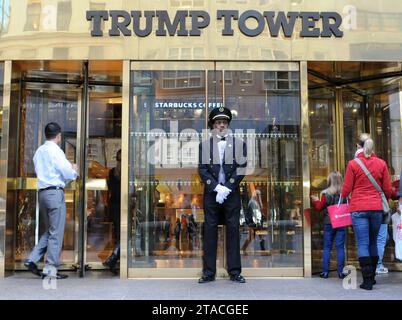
167	116
166	119
353	122
1	98
4	15
33	16
268	104
41	105
103	189
322	157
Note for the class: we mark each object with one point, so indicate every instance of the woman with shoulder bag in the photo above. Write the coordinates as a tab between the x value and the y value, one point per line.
367	179
329	197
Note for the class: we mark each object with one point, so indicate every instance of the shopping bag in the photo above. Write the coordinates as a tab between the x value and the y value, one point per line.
339	214
397	234
398	243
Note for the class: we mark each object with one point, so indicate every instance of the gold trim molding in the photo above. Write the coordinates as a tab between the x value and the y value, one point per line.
46	30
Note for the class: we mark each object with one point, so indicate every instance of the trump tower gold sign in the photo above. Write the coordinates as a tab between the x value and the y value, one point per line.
190	23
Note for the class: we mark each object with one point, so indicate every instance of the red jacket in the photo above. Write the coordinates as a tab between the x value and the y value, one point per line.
364	196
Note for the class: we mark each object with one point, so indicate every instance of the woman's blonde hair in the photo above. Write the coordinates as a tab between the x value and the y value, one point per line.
334	182
367	144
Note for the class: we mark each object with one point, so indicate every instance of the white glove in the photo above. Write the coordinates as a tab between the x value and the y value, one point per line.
219	198
219	188
222	191
226	191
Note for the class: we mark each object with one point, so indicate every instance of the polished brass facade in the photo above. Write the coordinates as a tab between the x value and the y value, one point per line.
305	144
5	108
125	134
49	29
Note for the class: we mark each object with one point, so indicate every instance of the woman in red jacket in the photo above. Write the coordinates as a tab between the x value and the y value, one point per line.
366	205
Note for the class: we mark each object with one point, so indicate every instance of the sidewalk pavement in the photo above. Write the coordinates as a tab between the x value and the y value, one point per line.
100	285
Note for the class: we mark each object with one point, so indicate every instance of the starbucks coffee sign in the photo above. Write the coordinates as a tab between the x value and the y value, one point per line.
190	23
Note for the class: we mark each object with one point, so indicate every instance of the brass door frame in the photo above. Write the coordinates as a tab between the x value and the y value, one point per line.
4	164
138	66
306	160
82	127
20	183
125	131
7	184
214	66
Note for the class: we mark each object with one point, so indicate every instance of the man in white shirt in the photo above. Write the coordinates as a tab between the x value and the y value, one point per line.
53	170
222	162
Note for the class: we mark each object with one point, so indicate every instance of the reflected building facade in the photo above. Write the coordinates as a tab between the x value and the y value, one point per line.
298	102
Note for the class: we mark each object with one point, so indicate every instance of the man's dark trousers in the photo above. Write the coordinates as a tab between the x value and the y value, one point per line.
229	212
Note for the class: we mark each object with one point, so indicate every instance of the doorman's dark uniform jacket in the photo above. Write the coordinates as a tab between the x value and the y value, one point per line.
234	165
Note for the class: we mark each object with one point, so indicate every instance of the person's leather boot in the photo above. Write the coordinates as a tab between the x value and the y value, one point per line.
374	262
367	273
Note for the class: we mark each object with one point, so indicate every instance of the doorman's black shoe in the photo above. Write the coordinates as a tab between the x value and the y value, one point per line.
111	263
115	271
32	267
59	276
324	275
205	279
342	275
237	278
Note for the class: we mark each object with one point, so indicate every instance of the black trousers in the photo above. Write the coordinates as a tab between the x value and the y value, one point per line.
229	212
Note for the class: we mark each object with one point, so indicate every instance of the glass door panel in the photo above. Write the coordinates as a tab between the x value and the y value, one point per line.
41	104
167	116
322	128
354	111
386	132
265	102
103	208
46	91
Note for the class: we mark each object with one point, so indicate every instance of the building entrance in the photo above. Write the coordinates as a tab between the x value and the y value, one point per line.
346	99
85	98
169	107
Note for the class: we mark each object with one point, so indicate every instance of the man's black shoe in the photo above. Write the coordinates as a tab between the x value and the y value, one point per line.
32	267
59	276
115	271
205	279
238	278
